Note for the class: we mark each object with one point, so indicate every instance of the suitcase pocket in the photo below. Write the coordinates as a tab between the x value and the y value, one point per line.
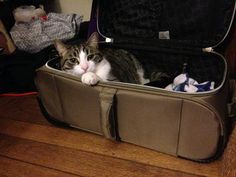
48	95
169	124
149	120
69	101
80	104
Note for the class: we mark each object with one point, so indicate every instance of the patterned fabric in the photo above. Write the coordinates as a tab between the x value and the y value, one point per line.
183	83
38	34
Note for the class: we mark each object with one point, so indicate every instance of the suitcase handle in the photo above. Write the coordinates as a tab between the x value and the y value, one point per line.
108	119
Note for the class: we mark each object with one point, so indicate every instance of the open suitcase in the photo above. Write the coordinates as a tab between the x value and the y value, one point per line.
165	33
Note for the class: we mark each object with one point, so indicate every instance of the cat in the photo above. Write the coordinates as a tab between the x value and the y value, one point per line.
94	65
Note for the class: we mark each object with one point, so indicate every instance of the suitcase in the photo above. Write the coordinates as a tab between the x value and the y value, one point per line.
165	33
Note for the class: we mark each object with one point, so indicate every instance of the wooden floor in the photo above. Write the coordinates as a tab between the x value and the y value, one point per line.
32	147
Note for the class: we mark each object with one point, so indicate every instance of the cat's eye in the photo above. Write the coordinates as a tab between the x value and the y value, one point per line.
73	60
90	57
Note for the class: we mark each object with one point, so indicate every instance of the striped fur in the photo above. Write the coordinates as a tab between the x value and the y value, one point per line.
93	65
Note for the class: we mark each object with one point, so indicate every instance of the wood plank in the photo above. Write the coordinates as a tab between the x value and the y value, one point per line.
77	162
22	108
15	168
93	143
228	168
230	52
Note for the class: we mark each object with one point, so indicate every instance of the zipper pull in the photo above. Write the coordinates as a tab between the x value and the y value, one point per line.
109	40
208	49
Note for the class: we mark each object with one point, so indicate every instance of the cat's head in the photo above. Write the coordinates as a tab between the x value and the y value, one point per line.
79	59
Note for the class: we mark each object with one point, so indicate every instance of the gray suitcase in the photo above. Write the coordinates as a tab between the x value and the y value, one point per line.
188	125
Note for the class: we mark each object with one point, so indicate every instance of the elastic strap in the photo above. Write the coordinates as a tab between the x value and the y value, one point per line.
107	96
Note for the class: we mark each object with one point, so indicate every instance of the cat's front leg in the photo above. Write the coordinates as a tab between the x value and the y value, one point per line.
90	78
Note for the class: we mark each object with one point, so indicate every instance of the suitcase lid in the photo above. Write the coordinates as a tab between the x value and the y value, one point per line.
191	23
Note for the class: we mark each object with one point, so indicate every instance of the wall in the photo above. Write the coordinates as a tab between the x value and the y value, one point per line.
82	7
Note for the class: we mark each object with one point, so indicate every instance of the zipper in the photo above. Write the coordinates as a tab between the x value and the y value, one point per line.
107	39
226	34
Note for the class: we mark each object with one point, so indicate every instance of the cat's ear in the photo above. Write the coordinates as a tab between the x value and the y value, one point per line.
60	47
93	40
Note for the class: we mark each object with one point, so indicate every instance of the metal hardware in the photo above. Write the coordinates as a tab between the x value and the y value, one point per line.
109	40
208	49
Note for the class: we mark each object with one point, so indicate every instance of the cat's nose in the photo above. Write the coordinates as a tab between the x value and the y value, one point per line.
84	67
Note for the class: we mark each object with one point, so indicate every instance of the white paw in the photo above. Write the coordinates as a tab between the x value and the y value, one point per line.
89	78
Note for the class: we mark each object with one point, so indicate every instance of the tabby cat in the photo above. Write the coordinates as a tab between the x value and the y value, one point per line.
94	65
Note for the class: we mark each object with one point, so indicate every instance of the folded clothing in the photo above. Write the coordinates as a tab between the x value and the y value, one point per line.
184	83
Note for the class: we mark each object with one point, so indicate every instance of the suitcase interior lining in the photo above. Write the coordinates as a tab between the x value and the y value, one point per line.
191	23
